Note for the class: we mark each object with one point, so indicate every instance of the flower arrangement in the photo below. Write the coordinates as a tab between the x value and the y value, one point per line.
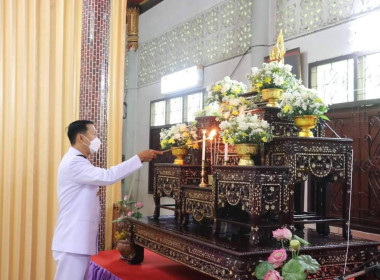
179	135
273	75
302	101
276	267
127	208
209	110
226	87
245	128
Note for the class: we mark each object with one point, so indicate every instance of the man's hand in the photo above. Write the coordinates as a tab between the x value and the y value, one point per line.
148	155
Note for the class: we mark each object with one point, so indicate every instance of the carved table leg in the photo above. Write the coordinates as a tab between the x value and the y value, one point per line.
321	206
297	203
156	199
254	236
138	257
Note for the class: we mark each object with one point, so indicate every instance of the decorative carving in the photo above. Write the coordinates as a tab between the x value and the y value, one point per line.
133	28
168	182
255	190
298	17
227	259
221	32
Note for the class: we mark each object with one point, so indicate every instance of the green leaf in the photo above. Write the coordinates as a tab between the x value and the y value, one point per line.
262	269
324	117
137	215
308	263
293	270
303	241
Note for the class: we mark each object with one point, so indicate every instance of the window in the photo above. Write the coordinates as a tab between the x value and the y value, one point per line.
176	109
346	79
193	103
369	77
157	113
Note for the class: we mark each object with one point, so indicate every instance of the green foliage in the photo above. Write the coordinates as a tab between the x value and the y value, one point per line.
293	270
308	263
262	269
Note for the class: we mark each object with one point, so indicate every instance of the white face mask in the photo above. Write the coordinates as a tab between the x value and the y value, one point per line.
94	145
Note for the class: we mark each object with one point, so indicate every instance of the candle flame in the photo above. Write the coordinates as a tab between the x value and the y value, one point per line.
212	134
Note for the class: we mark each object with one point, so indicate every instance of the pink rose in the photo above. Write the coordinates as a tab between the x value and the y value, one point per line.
126	197
277	258
130	213
273	275
282	233
139	205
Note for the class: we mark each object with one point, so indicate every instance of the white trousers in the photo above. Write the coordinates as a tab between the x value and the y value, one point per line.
71	266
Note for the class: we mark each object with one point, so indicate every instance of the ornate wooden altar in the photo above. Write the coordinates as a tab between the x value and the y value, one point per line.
224	230
228	256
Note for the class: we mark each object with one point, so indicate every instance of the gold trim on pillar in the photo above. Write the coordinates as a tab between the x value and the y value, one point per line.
133	28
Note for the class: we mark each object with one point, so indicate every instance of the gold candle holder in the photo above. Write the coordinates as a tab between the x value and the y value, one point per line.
203	173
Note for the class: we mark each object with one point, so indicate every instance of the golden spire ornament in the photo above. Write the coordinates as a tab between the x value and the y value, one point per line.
278	51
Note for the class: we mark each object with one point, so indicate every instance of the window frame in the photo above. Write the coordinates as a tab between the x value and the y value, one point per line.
175	95
355	56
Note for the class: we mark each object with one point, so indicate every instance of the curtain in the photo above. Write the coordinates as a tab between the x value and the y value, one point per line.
115	110
39	95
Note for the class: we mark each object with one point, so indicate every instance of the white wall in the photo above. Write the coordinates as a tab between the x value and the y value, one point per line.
359	35
328	43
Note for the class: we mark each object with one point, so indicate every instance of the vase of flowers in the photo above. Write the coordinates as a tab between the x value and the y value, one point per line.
245	129
246	151
126	208
272	80
304	106
179	153
223	99
226	87
179	138
296	268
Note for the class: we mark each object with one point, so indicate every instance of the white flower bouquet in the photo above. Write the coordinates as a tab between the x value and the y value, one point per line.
179	135
244	129
226	87
302	101
273	75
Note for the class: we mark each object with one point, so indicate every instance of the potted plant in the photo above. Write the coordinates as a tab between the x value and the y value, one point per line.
296	268
245	132
179	138
272	80
304	106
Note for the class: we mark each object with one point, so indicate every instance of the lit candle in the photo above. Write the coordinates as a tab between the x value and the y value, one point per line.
204	145
226	152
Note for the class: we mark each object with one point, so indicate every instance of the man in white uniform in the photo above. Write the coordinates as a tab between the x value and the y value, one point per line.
75	236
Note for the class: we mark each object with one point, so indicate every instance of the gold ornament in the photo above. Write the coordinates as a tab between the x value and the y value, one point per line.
278	51
133	28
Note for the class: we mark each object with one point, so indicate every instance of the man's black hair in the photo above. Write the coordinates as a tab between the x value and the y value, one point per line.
77	127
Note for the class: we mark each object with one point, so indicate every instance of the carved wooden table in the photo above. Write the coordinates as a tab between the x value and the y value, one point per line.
198	202
229	256
168	180
325	160
259	191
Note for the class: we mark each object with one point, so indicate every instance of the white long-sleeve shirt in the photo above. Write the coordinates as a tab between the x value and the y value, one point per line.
79	208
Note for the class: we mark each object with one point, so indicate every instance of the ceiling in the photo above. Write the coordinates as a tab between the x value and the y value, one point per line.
144	5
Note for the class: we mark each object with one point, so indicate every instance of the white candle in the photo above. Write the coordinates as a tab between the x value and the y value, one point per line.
226	152
204	145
